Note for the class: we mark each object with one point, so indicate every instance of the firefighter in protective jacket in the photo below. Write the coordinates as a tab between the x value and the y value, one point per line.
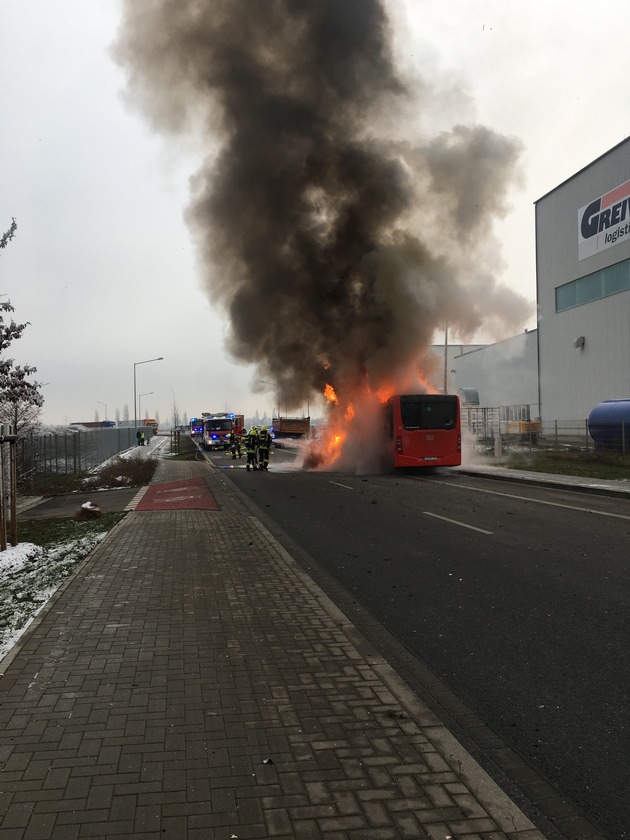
264	448
235	445
251	449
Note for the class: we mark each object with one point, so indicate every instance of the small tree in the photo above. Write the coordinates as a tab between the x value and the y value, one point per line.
20	396
23	415
174	412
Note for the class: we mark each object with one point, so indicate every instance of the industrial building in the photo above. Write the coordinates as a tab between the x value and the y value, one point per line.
583	289
579	355
499	383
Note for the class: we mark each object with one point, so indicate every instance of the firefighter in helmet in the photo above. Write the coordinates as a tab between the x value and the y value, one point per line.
251	449
264	448
234	442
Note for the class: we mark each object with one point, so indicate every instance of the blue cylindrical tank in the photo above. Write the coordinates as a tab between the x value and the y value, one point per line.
609	424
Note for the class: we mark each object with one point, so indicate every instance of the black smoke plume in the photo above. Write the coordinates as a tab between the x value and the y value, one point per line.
336	238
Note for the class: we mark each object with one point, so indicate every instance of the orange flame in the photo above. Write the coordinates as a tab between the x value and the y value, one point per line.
329	393
384	393
334	444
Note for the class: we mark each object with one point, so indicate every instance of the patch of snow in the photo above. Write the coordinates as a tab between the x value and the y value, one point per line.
29	576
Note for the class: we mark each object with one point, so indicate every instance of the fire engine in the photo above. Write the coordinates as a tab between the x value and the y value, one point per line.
218	427
196	426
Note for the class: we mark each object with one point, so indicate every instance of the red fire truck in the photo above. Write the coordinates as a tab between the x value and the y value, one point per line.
218	427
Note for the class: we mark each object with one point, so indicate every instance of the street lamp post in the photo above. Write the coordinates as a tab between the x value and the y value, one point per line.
135	405
146	393
267	382
102	403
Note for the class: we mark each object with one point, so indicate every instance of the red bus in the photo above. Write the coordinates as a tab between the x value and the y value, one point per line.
423	430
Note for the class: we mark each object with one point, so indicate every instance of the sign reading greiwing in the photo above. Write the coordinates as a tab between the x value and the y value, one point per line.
604	222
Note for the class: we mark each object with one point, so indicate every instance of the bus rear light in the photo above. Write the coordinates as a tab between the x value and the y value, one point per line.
459	443
398	444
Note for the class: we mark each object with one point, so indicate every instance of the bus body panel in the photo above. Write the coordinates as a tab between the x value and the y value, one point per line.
423	430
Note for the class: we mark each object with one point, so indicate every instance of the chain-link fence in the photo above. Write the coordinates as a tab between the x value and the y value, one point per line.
485	425
42	457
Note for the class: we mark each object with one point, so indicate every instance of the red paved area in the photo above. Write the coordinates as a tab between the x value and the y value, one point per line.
191	494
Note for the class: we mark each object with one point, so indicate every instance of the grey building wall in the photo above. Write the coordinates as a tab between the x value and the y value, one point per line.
504	374
437	365
573	379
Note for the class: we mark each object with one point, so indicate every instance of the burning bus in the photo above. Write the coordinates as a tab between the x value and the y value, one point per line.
423	430
381	429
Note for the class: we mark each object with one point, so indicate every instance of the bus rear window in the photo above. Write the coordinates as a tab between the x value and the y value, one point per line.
418	411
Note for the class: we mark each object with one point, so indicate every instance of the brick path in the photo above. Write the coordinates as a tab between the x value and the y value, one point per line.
191	681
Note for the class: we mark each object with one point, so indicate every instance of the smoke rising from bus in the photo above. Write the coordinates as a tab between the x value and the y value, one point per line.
334	231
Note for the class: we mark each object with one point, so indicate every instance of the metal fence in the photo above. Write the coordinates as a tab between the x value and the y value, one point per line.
42	457
485	424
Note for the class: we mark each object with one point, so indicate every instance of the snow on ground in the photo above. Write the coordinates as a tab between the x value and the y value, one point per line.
29	577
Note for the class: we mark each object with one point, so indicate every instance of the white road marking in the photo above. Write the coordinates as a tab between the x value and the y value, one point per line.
133	504
345	486
456	522
530	499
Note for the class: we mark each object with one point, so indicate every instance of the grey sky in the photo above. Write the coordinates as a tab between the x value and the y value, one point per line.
103	266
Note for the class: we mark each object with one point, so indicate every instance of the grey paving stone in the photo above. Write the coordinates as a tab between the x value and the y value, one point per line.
190	681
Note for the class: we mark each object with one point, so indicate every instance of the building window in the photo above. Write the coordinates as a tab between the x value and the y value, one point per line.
599	284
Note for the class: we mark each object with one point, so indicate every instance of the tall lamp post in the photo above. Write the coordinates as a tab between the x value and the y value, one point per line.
105	404
146	393
267	382
135	405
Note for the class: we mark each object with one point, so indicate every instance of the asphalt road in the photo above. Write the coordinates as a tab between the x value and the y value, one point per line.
514	596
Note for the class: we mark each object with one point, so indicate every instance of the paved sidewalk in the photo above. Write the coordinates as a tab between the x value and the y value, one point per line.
609	487
191	681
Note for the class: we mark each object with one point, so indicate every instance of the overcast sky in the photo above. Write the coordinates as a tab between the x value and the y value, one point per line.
103	267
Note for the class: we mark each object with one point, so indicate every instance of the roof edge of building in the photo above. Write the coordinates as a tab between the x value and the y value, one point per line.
584	168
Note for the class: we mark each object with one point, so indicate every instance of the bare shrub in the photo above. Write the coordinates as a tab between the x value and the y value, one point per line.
126	472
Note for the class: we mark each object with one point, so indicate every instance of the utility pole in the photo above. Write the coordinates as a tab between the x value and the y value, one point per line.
446	358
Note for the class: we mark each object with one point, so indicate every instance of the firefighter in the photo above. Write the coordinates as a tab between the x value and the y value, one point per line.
251	449
234	444
264	448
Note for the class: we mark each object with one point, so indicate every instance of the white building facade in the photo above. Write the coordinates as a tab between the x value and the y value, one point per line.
583	290
504	375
